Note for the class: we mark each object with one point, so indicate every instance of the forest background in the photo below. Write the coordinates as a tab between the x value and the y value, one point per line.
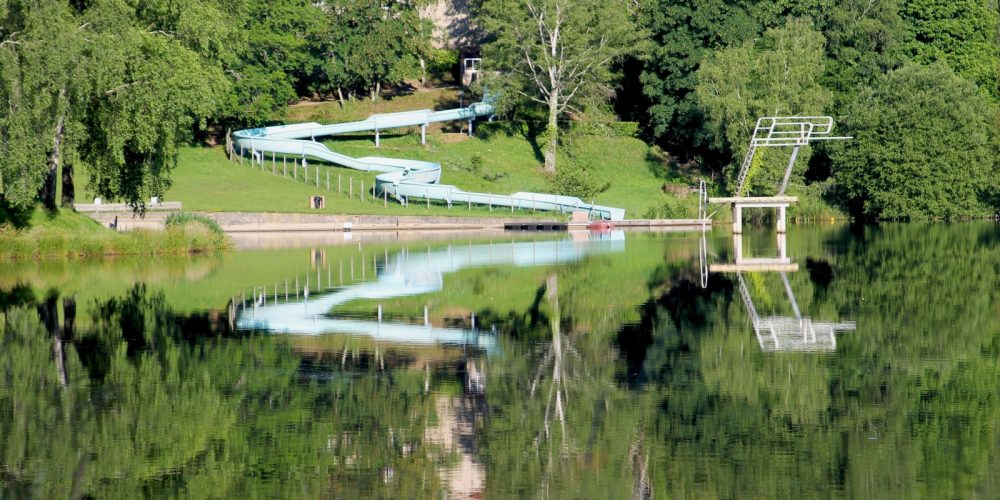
115	87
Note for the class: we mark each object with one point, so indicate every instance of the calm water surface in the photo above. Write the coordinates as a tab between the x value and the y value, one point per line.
865	363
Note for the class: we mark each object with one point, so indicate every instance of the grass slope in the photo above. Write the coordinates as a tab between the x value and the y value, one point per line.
499	163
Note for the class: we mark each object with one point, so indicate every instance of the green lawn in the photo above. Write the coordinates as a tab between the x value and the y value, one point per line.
42	234
205	180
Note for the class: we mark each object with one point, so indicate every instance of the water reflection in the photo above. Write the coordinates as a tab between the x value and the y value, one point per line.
409	273
612	375
776	333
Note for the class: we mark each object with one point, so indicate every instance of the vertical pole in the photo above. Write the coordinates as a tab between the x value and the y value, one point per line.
274	164
738	247
423	134
327	180
737	218
427	317
362	190
781	219
380	313
470	127
284	166
339	190
385	197
376	138
351	187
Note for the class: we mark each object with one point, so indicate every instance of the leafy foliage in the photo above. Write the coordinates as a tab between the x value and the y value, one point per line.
778	75
555	54
922	146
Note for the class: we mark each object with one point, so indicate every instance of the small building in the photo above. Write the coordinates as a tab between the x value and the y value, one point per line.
470	58
455	30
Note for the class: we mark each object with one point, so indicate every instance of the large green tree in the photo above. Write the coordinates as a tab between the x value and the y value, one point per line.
777	75
922	146
556	54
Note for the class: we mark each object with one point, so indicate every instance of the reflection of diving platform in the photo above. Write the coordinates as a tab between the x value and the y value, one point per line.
403	274
781	333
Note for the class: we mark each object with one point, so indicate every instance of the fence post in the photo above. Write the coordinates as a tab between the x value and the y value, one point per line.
273	164
327	180
350	192
339	190
295	169
362	190
284	166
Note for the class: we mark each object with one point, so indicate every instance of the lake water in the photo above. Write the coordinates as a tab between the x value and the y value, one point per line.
865	364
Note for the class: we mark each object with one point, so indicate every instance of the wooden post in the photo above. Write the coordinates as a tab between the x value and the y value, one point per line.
423	134
376	138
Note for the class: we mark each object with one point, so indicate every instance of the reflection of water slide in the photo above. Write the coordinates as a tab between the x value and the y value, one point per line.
407	273
402	179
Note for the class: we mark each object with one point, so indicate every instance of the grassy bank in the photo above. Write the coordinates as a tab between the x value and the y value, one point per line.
41	234
498	162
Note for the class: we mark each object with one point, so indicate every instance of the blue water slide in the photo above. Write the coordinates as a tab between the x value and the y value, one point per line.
403	179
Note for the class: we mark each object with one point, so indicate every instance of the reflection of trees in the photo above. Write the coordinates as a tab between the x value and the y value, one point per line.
154	404
905	408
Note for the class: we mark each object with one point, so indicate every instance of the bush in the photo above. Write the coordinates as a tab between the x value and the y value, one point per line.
184	218
575	178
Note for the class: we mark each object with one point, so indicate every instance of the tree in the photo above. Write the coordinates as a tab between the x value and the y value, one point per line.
778	75
38	56
556	53
963	33
684	32
921	149
371	43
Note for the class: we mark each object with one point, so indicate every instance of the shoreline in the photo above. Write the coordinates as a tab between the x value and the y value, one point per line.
263	222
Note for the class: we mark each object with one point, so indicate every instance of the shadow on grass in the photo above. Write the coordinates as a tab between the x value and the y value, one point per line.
18	218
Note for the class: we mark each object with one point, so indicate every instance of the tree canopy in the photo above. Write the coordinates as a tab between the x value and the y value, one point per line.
922	146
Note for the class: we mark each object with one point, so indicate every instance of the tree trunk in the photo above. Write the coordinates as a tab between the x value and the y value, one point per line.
340	96
423	72
68	189
48	313
49	184
552	133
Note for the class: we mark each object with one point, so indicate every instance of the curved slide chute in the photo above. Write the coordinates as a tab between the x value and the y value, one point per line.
403	179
